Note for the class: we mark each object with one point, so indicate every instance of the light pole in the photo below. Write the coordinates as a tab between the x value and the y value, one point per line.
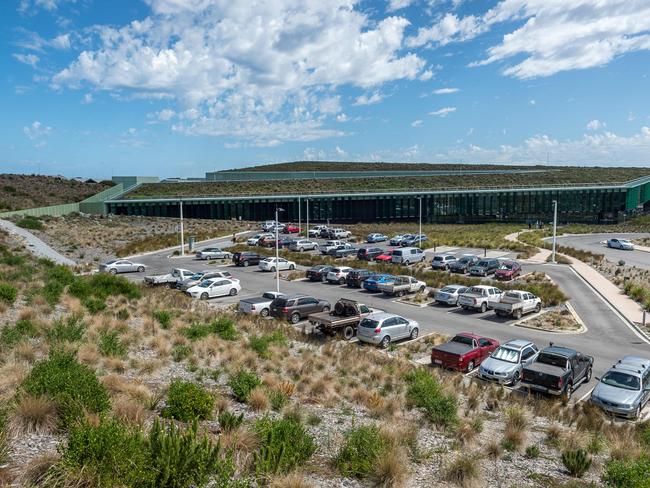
307	227
299	228
277	251
554	229
420	231
182	237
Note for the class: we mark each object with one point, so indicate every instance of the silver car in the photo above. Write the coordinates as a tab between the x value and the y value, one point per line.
301	245
121	266
381	328
506	363
448	295
197	278
625	389
213	253
623	244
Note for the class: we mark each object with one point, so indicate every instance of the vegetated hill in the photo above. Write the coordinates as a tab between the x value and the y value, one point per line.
563	176
374	166
28	191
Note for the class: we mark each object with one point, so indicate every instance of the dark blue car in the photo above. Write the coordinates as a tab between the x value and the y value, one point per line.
372	283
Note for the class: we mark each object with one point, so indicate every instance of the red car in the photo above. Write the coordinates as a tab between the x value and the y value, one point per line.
464	352
508	271
291	229
385	257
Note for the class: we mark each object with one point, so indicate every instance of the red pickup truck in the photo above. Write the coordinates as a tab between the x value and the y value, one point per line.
464	352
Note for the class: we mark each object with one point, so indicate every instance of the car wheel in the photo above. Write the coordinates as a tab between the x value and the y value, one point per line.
112	271
406	263
464	307
422	288
414	333
246	263
233	292
588	376
538	308
292	267
568	392
204	296
470	367
517	314
323	278
348	332
341	281
301	249
140	269
483	307
272	269
295	318
264	312
637	412
515	378
385	342
326	309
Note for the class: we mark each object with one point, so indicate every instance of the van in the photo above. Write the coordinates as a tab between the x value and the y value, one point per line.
407	255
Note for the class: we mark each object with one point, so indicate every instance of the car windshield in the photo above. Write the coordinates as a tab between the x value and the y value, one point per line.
369	324
463	340
624	241
506	354
482	264
205	284
621	380
465	260
111	262
449	289
196	276
437	258
507	266
514	295
553	360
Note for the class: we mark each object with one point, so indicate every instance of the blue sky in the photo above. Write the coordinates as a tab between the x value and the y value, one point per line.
180	87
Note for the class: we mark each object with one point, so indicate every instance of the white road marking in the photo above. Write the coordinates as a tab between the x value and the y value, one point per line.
584	397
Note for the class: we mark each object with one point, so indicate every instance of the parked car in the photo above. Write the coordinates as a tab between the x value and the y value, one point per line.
273	264
214	288
484	267
413	240
342	251
382	328
269	224
516	303
294	308
442	262
508	271
369	253
332	244
448	295
254	240
478	297
372	283
325	233
170	279
318	272
505	364
197	278
301	245
397	240
291	229
463	264
116	266
558	371
407	255
260	305
463	352
624	390
624	244
402	285
356	277
386	256
269	241
316	231
338	274
371	238
246	258
213	253
339	233
343	320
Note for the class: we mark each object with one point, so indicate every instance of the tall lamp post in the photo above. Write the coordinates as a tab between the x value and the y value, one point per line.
554	228
420	231
182	236
277	250
307	212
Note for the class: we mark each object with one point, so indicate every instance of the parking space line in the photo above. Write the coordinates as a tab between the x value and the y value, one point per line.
584	397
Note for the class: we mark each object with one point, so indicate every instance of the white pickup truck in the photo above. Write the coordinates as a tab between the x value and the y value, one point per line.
170	279
329	245
402	285
516	303
260	305
478	297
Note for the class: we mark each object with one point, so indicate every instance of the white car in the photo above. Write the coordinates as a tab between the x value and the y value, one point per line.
121	266
623	244
215	288
252	241
338	275
271	264
325	248
213	253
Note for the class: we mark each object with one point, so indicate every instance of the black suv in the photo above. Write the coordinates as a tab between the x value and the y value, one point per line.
369	253
484	267
318	272
356	277
294	308
246	258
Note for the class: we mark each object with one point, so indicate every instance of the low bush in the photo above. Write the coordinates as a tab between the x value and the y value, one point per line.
628	473
104	285
94	304
8	293
180	352
187	401
463	470
70	329
576	461
425	392
230	421
197	331
72	386
278	399
163	317
225	328
242	383
260	344
31	223
532	452
361	451
13	334
284	444
111	345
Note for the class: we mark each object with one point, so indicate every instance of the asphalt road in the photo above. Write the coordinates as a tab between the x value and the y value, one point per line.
608	337
594	243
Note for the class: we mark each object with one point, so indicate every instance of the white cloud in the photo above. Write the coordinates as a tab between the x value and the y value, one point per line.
394	5
249	69
342	117
416	123
426	75
313	154
445	91
595	125
29	59
31	6
366	99
36	131
165	114
87	99
61	42
532	102
340	152
443	112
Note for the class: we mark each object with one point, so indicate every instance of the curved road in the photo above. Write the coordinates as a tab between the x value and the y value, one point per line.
594	243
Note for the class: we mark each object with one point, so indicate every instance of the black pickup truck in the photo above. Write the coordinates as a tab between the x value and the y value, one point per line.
557	371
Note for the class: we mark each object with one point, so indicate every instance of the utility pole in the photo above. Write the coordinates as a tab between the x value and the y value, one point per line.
420	231
554	228
182	236
299	228
307	227
277	251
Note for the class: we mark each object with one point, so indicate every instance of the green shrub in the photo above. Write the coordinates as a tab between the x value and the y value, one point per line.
197	331
122	314
180	352
576	461
643	433
13	334
628	474
260	344
8	293
284	444
362	449
12	259
71	329
104	285
278	399
71	385
94	304
164	318
187	401
242	383
225	328
229	421
110	344
80	288
60	274
425	392
532	452
52	292
29	222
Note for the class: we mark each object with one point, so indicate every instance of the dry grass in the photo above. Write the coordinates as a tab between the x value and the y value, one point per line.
129	411
33	415
36	469
464	471
292	480
258	400
393	468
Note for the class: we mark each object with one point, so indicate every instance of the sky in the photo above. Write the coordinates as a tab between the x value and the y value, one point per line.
97	88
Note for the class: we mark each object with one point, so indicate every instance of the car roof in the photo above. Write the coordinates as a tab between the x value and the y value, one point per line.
561	351
633	362
517	344
293	296
471	335
382	315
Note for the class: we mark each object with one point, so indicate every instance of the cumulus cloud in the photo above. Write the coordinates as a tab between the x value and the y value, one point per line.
443	112
371	99
394	5
29	59
595	125
36	131
416	123
87	99
445	91
274	64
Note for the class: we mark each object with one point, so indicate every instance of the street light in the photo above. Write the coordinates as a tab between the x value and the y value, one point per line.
554	228
182	237
277	250
307	212
420	231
